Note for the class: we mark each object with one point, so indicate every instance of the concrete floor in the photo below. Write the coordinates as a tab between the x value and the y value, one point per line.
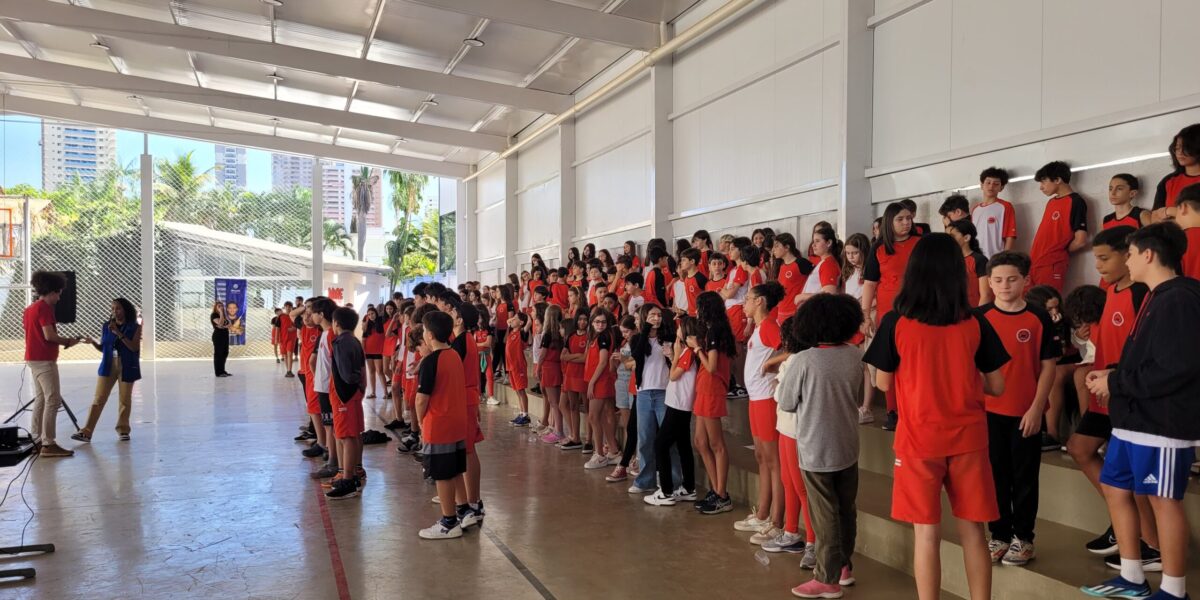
211	498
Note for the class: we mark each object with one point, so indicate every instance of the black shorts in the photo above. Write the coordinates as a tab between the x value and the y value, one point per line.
326	409
1094	424
445	461
374	357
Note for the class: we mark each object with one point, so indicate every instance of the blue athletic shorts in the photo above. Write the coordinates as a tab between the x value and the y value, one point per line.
1147	470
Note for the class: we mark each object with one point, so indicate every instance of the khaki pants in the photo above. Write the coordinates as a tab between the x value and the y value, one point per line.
104	386
47	399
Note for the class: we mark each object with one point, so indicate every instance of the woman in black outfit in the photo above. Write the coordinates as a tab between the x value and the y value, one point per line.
220	339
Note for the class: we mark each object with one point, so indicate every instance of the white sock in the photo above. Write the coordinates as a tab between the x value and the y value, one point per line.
1131	570
1175	586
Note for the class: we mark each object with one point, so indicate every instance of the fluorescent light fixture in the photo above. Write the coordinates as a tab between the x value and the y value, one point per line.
1112	163
474	42
100	45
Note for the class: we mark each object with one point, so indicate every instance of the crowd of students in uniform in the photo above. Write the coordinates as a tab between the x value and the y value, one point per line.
648	348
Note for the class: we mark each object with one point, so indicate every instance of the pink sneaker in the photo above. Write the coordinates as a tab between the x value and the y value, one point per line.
551	438
847	577
815	589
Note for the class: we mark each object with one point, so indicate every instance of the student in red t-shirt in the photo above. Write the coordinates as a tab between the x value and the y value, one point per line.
978	291
883	276
658	277
713	354
1185	157
442	410
702	243
694	281
1015	417
287	338
1063	228
1122	191
518	367
373	327
572	357
826	257
310	336
551	375
1187	216
931	349
346	385
1122	300
601	391
466	319
793	274
558	289
777	496
41	354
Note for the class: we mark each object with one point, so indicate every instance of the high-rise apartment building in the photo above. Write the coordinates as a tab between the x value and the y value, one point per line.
288	171
229	165
70	151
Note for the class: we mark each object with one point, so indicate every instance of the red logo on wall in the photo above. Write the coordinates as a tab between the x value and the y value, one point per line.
1024	335
336	293
1118	319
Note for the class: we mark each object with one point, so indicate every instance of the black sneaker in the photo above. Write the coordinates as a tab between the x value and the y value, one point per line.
571	445
408	444
889	424
343	488
536	390
305	435
1151	560
395	424
1049	444
290	374
588	449
707	499
718	505
1105	545
313	451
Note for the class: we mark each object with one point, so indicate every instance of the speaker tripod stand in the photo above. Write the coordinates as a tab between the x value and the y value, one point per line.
26	406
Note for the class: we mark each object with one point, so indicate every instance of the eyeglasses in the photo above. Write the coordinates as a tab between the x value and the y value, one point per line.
600	322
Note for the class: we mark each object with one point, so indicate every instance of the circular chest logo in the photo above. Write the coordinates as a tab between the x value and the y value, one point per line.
787	274
991	220
1118	319
1024	335
1055	215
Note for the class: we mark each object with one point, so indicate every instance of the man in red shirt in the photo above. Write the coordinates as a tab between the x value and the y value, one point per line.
41	354
1063	229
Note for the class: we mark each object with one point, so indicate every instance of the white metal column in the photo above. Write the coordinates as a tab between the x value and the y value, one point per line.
662	174
510	218
855	212
149	314
467	225
463	266
318	229
566	182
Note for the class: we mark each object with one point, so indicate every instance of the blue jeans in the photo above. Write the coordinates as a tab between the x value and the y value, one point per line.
651	407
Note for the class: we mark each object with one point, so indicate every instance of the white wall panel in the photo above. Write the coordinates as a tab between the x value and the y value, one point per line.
912	84
613	189
832	93
997	70
615	119
1179	73
491	186
489	233
538	210
539	161
1101	56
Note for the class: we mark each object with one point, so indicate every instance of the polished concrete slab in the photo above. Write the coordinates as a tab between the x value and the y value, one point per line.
211	498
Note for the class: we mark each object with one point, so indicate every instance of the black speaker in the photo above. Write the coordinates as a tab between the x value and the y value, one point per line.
64	311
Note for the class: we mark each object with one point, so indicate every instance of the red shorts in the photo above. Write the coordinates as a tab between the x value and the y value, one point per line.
274	336
762	420
473	423
410	394
389	346
737	321
574	384
312	405
604	388
347	416
550	374
518	377
917	488
710	406
1052	274
288	344
397	375
858	339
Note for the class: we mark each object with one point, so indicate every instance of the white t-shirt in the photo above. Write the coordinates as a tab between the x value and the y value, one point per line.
786	422
681	393
635	304
536	349
737	279
324	364
854	285
759	349
994	222
655	373
679	289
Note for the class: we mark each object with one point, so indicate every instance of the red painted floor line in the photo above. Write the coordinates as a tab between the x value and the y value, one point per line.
335	556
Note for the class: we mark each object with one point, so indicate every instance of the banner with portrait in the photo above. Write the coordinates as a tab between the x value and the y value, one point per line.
231	293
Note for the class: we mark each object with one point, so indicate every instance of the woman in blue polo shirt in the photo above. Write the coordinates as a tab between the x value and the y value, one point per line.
120	346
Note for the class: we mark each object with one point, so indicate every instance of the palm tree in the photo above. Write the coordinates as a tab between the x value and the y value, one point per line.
179	184
337	238
406	200
364	198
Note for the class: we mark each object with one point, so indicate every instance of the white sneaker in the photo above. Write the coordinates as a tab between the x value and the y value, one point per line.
809	561
597	461
767	534
659	499
439	532
634	489
683	495
751	523
436	500
784	538
469	519
493	401
865	416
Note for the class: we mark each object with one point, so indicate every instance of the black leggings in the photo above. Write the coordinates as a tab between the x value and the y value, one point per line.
631	435
498	350
675	431
220	351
